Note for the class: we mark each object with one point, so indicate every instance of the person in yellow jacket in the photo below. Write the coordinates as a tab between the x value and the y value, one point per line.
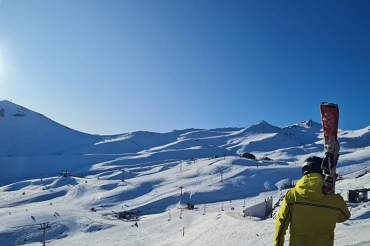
312	216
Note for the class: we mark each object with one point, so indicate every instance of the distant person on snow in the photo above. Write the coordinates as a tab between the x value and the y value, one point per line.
311	214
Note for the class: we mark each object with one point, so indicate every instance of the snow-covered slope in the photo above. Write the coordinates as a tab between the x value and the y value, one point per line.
157	168
27	133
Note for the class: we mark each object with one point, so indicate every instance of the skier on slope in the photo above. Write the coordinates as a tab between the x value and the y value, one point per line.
311	214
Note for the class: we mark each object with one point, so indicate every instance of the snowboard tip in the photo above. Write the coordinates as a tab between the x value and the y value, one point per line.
328	104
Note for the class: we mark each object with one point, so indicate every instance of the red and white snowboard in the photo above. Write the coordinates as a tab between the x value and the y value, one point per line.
330	117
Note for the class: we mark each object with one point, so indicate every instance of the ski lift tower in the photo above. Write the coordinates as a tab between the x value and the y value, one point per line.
44	226
181	187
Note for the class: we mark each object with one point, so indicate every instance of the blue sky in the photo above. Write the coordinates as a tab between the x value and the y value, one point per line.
107	67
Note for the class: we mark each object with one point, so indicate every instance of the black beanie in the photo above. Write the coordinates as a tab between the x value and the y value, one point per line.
312	165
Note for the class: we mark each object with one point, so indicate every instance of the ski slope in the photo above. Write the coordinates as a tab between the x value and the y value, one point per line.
156	168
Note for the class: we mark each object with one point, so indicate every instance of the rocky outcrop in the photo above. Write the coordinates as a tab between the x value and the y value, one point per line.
248	155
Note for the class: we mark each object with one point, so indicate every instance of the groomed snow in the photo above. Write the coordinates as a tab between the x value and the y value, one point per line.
157	168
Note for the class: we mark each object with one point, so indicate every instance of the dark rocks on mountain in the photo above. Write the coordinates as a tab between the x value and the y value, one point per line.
248	155
362	174
309	123
265	158
2	112
129	215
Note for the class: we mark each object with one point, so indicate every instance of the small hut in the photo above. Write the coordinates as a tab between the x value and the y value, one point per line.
357	196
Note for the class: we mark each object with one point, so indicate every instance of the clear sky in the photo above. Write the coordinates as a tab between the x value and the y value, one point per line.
109	66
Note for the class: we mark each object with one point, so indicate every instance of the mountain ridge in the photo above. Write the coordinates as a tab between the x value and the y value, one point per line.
144	172
26	124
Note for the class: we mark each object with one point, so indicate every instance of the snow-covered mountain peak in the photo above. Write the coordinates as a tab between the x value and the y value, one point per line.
146	171
304	124
9	109
262	127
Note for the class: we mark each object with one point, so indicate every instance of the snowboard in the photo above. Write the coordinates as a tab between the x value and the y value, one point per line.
330	118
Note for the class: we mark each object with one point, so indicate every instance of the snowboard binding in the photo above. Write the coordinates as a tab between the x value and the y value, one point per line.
328	167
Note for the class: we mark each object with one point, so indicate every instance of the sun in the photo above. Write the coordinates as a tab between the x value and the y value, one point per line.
2	63
5	62
1	66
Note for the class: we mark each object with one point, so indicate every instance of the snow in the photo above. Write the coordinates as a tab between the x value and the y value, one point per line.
157	168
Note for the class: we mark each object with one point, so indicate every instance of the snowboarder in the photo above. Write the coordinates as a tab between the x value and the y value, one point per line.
311	214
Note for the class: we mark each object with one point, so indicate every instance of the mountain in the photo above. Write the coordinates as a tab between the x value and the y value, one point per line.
203	164
29	139
28	133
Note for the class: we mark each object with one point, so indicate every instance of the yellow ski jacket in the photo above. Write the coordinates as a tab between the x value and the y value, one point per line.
312	216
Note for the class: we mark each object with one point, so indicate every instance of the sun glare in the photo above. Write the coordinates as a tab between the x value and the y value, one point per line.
1	63
1	66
